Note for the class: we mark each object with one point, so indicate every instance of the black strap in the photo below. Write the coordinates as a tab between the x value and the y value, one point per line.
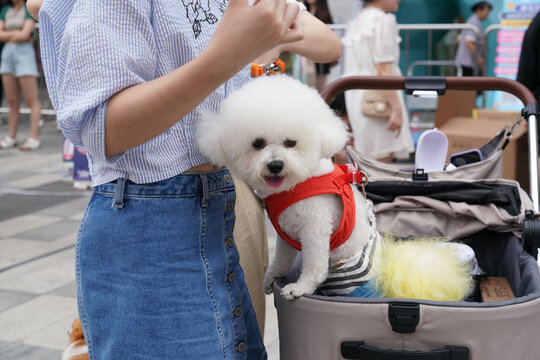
358	350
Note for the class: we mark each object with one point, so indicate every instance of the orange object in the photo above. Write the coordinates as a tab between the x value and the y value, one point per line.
76	349
275	67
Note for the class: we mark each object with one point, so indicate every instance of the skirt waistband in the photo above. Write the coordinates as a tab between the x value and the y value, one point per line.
187	184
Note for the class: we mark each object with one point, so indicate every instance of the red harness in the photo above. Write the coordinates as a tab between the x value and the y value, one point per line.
336	182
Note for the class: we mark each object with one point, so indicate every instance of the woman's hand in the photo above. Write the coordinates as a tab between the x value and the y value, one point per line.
395	122
320	43
396	117
246	32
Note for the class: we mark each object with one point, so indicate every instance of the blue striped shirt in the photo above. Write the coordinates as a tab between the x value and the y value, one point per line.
92	49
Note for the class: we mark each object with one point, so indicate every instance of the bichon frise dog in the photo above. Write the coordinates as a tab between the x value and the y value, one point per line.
279	136
275	133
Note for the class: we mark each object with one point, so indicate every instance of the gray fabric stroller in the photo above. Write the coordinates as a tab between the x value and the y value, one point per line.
471	204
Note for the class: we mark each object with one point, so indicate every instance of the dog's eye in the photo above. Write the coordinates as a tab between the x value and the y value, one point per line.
289	143
258	143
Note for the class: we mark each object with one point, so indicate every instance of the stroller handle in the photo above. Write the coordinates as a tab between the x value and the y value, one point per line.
440	84
473	83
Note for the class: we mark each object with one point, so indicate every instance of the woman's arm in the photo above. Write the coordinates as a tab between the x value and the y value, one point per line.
24	34
33	7
5	36
320	43
396	120
140	113
472	48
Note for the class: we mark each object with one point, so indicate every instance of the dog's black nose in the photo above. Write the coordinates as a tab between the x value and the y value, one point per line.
275	167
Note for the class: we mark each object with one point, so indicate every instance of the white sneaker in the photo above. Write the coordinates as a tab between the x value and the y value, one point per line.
8	143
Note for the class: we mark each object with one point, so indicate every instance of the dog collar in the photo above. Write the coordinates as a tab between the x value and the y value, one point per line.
276	66
336	182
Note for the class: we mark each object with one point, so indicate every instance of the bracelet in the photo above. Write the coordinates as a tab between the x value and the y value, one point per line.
276	66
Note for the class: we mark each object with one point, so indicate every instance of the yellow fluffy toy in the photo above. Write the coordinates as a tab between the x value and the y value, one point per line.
425	268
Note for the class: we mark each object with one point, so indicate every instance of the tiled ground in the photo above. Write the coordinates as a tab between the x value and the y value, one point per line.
39	219
39	216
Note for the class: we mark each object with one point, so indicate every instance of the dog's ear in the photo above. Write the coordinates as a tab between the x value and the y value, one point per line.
333	133
210	136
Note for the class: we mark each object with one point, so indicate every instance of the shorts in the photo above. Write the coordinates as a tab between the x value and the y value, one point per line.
158	274
19	59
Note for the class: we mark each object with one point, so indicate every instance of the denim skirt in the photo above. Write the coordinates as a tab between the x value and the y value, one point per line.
158	274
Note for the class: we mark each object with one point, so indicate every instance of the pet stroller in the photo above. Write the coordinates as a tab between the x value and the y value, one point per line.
471	204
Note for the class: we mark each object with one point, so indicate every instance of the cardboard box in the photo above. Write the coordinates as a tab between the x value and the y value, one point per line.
495	289
492	114
469	128
465	133
453	104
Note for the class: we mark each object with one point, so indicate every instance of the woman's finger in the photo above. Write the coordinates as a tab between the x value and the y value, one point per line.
281	5
293	34
291	30
290	15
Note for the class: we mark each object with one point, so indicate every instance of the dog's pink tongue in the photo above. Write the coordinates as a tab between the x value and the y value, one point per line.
274	182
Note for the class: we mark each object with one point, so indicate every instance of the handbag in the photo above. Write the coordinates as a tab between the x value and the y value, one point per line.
375	105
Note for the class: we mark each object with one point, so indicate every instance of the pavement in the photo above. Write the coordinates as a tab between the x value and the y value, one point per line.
40	213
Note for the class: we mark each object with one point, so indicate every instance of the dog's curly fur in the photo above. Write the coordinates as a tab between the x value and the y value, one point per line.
274	133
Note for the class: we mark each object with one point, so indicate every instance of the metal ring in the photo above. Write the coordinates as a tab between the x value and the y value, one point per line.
364	178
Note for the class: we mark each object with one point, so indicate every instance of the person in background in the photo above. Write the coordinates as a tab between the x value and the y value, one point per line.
2	4
471	44
155	255
529	60
372	48
319	9
19	72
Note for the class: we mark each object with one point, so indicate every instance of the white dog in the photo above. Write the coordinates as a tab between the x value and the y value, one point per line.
275	133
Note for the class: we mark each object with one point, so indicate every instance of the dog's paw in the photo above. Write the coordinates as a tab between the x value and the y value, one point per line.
292	291
267	284
268	289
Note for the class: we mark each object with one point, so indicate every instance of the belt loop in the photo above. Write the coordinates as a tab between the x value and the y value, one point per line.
119	197
206	193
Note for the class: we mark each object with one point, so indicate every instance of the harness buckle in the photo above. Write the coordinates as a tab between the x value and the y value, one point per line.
353	168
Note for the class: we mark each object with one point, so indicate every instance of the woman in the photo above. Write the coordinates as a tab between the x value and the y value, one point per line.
372	48
157	267
19	72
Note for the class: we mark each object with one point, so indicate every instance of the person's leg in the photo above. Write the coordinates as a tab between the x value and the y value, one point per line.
467	71
1	87
29	88
12	92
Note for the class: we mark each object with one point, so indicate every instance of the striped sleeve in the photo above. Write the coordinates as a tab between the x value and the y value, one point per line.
94	61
